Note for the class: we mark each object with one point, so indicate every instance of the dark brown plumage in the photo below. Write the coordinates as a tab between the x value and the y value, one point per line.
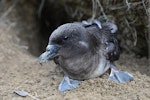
84	51
82	48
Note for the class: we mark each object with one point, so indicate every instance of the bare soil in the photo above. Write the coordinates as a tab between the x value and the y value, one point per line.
20	70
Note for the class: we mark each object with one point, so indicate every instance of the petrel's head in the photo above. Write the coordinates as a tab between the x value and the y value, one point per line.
67	41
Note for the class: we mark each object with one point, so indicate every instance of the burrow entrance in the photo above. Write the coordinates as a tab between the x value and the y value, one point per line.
51	16
56	13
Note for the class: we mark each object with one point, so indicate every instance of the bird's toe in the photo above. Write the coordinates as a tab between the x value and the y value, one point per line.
120	76
68	84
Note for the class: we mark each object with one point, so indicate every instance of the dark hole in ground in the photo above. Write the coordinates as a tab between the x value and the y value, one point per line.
52	16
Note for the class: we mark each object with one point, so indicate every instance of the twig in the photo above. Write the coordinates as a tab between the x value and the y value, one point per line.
128	4
94	8
40	8
145	7
133	31
74	13
69	11
122	7
132	22
127	22
134	36
102	10
31	96
9	9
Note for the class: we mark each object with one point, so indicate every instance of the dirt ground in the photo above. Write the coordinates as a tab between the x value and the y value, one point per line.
20	70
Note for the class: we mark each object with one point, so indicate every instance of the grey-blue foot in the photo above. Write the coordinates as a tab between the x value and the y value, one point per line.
68	84
119	76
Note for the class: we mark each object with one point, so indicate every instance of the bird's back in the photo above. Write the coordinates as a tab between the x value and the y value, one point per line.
104	40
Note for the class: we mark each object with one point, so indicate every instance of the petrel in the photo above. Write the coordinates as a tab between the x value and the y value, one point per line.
84	50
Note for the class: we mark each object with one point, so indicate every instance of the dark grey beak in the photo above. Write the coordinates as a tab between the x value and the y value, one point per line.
51	52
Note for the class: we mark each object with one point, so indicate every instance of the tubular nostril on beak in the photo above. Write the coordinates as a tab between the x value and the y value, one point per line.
51	52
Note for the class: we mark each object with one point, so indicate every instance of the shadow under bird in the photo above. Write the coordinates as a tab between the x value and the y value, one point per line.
84	50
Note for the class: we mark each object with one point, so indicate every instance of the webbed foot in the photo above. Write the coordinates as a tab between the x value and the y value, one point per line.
68	84
119	76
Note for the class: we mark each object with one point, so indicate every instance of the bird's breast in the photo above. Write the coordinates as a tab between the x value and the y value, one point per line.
84	68
101	68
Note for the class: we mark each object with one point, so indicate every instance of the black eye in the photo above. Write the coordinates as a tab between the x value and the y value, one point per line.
65	38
